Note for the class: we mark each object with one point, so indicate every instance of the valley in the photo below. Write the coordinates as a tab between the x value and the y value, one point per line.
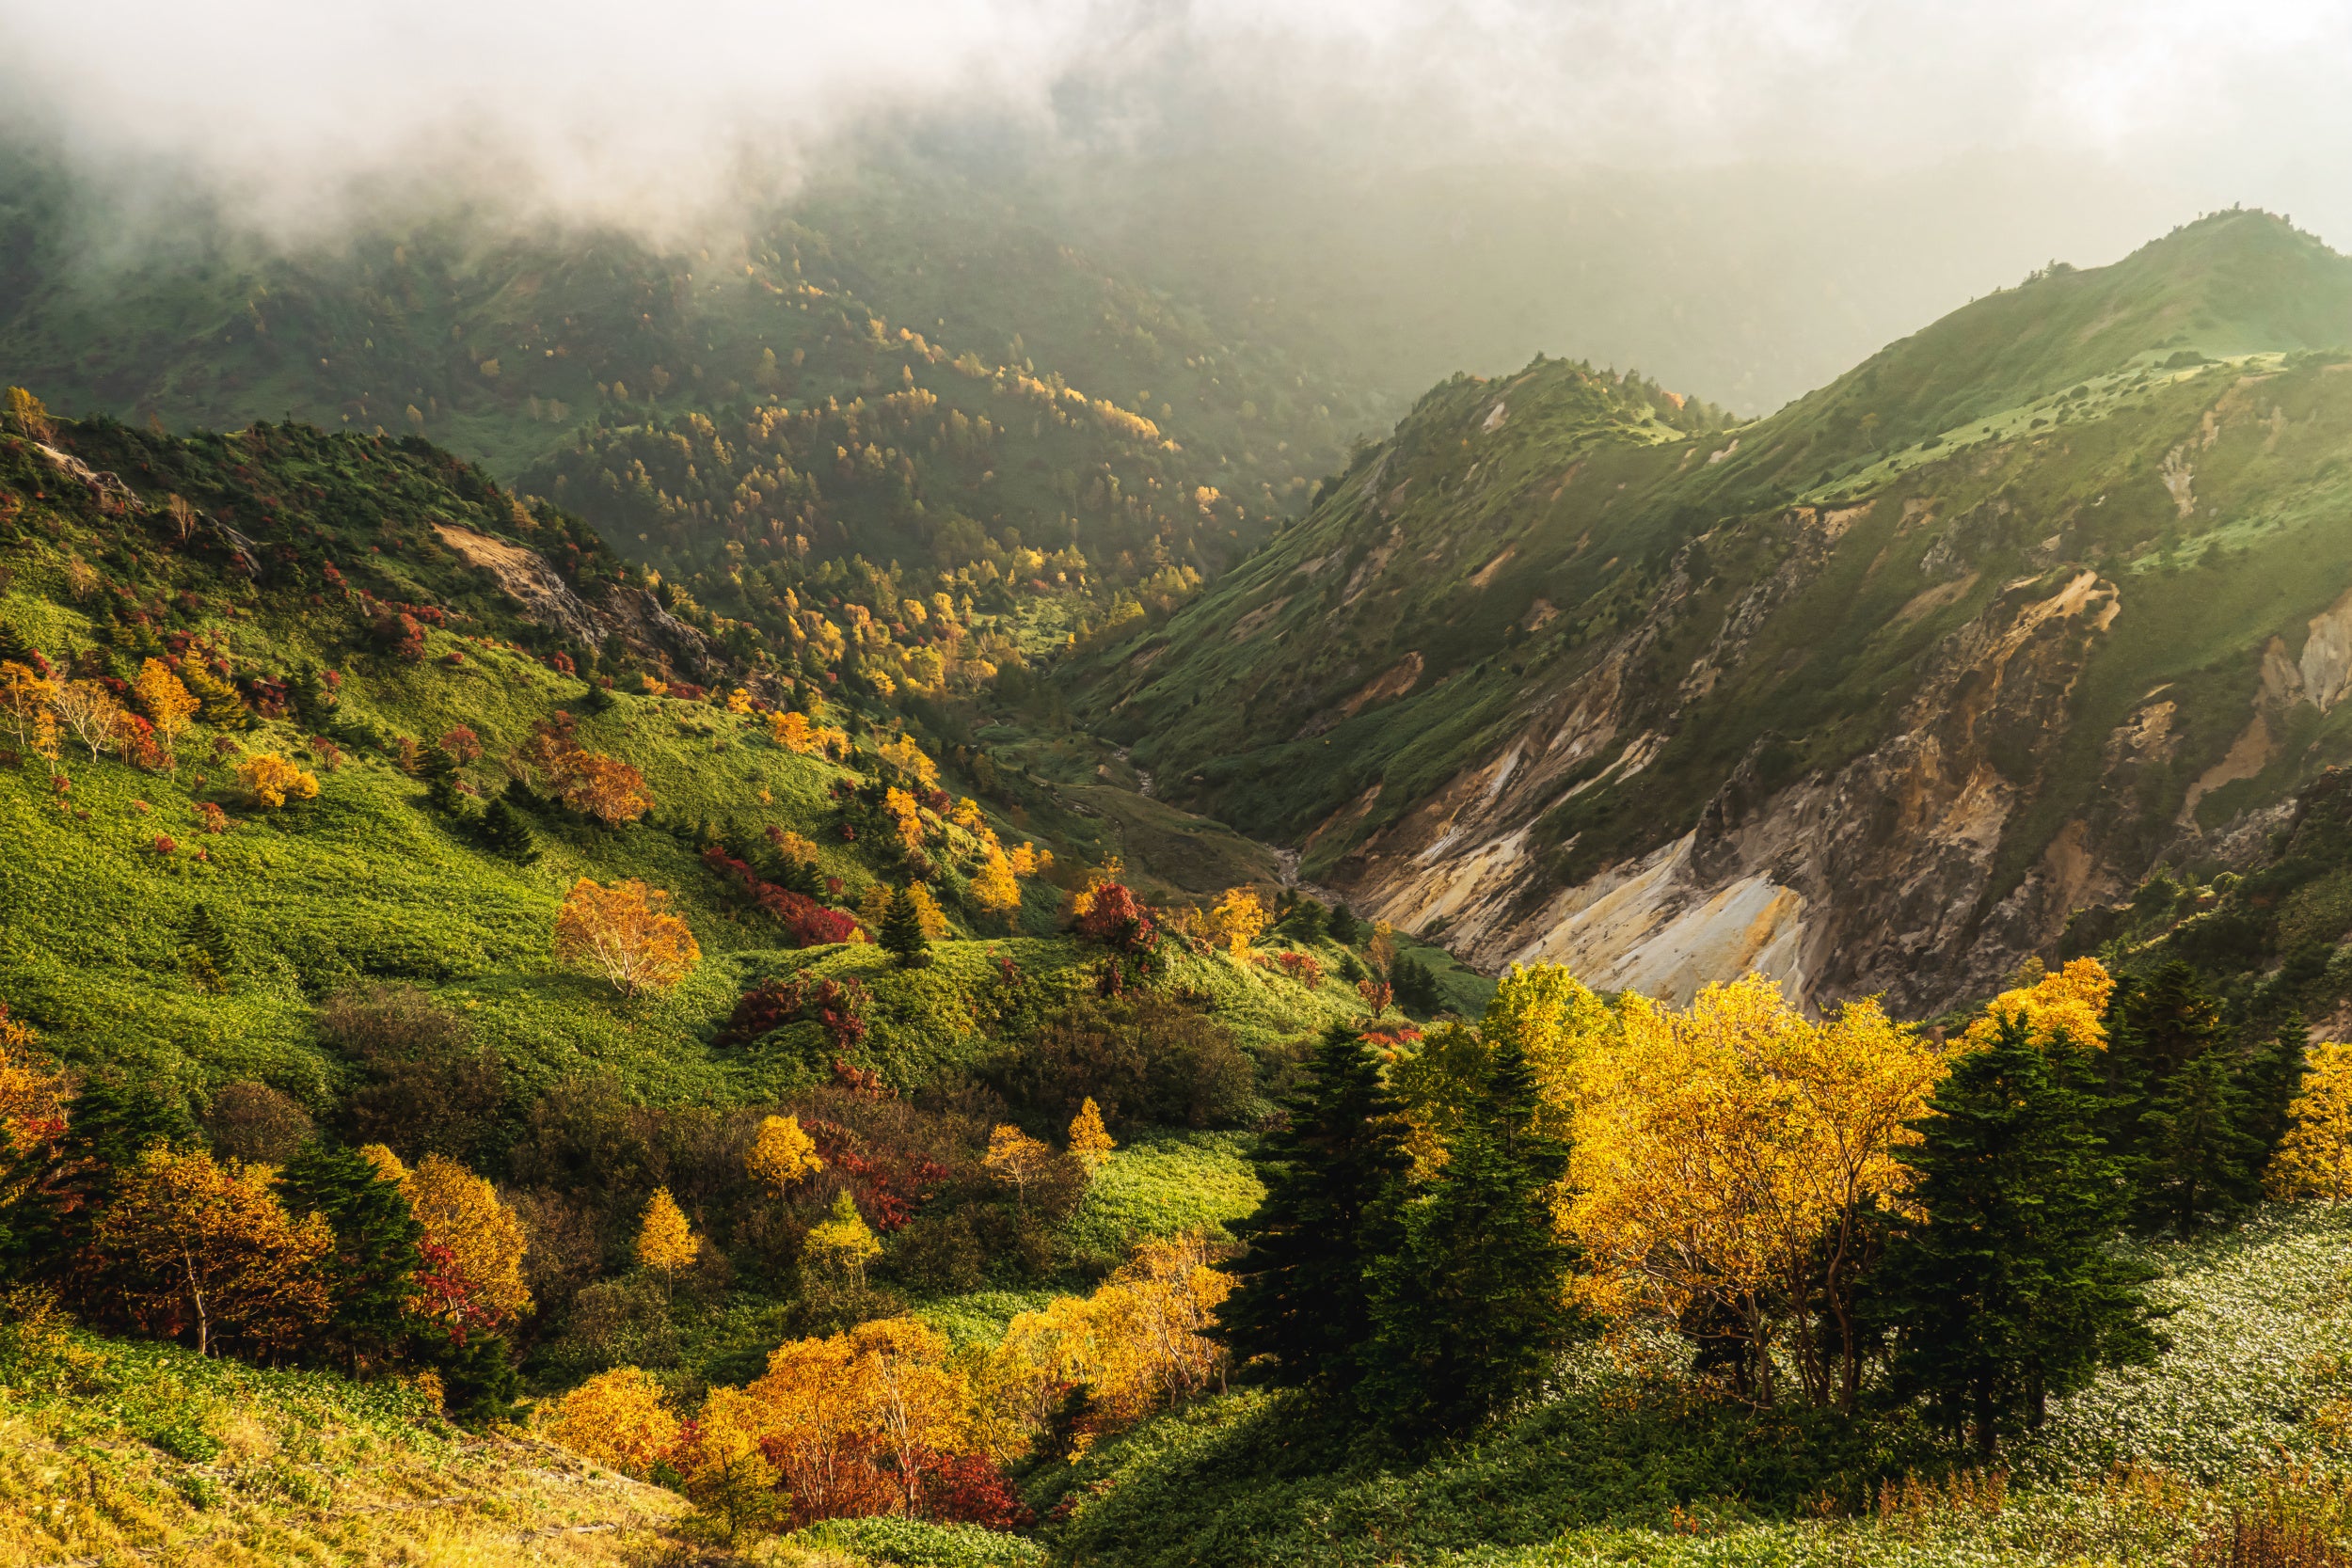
881	896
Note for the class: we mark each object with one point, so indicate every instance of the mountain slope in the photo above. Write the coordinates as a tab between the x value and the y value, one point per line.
1873	713
501	343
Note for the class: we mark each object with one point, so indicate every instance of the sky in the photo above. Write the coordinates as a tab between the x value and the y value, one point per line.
642	112
1999	133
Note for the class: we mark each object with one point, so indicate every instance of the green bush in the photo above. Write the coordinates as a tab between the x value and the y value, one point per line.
916	1543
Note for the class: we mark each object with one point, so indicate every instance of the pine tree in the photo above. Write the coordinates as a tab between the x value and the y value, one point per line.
376	1255
2003	1292
439	771
1470	1312
901	934
1301	1309
112	1121
2272	1078
2198	1162
314	703
2160	1024
204	952
1343	924
507	832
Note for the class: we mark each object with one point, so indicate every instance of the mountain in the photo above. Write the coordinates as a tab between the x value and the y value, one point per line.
926	373
1871	694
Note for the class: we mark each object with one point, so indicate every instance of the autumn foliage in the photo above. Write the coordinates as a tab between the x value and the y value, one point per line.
623	933
203	1247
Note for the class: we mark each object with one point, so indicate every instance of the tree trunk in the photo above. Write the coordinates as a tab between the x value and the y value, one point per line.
196	1295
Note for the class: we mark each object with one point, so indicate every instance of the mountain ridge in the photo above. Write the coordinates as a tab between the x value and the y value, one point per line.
1665	709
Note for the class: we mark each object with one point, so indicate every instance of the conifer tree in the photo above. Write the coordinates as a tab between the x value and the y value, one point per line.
901	934
439	771
2159	1024
1301	1309
2272	1078
1470	1312
314	702
376	1254
205	953
2003	1291
110	1123
2198	1162
507	832
1343	926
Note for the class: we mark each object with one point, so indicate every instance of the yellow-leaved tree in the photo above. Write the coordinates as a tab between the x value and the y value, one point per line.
1729	1158
170	708
1138	1344
994	887
791	731
928	914
2315	1159
270	781
205	1246
624	933
782	1155
1238	920
1017	1160
665	1241
900	808
2068	1005
1090	1140
841	1242
619	1418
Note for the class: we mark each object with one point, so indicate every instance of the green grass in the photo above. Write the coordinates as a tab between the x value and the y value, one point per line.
1162	1184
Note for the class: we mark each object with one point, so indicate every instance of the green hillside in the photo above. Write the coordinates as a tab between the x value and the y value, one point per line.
1527	590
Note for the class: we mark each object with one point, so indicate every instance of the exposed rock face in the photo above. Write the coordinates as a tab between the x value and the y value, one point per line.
547	600
1879	878
526	578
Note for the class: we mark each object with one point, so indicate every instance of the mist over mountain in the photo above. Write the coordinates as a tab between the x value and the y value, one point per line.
1147	784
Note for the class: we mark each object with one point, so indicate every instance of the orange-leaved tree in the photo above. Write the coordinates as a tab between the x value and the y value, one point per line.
623	933
25	702
199	1244
856	1423
32	1108
472	1247
170	707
